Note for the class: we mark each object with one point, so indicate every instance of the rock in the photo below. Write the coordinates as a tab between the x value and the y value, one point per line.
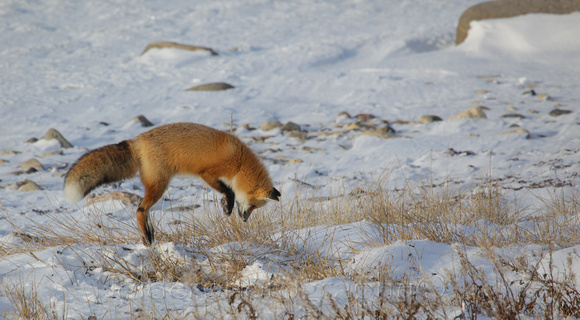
559	112
530	92
290	126
215	86
270	125
312	149
474	112
143	121
481	91
53	153
32	140
452	152
29	185
545	97
31	163
510	8
513	115
167	44
518	130
533	111
3	161
378	133
25	185
429	118
125	197
9	152
297	134
54	134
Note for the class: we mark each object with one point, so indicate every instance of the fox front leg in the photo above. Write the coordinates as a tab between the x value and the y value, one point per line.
228	200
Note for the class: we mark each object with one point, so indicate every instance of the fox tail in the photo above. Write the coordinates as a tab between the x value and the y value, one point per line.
104	165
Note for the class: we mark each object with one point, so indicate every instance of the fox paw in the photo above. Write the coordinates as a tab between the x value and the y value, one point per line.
227	206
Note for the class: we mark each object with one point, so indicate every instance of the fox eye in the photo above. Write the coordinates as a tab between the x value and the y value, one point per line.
252	207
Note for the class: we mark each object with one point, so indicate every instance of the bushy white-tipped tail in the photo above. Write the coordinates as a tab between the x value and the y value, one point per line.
73	192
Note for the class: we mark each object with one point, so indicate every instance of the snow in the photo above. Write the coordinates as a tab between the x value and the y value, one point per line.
74	66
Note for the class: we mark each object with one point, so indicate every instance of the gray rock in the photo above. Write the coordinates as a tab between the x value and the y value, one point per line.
143	121
429	118
215	86
54	134
559	112
513	115
290	126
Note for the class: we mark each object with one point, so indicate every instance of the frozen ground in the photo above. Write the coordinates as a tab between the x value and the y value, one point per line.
76	67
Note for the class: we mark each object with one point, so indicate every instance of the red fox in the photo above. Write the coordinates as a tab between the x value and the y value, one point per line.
220	159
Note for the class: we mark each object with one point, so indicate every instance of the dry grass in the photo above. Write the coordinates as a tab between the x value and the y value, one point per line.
487	218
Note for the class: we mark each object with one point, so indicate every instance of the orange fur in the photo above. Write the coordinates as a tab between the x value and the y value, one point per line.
220	159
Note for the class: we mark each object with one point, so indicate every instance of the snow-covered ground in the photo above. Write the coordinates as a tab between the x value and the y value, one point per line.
77	67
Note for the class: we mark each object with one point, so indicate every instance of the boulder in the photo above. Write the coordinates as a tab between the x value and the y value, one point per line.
510	8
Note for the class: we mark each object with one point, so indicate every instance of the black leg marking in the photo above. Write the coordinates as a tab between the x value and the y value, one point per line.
228	200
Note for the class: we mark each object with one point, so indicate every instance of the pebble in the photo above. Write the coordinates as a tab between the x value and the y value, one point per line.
518	130
513	115
9	152
559	112
290	126
48	154
270	125
545	97
300	135
143	121
215	86
378	133
474	112
429	118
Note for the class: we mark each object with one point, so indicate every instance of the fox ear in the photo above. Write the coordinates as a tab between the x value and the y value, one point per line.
274	195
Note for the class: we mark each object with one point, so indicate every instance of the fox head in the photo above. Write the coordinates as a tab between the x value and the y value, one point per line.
258	200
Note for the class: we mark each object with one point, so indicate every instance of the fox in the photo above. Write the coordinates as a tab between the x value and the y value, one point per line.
218	158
